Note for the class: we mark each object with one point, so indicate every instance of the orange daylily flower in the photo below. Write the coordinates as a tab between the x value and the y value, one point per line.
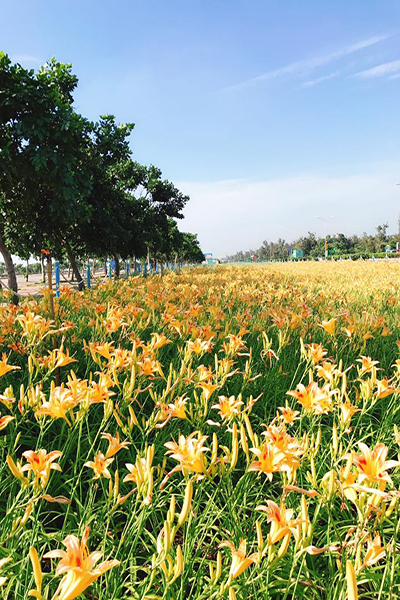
78	567
4	421
316	353
100	466
282	523
372	464
228	407
240	561
329	326
6	368
114	445
347	411
288	415
375	551
313	398
40	463
189	452
270	460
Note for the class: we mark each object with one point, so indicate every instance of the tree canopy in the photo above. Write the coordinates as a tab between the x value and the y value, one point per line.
72	186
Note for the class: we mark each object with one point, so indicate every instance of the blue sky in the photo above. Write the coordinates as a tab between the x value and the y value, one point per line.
267	113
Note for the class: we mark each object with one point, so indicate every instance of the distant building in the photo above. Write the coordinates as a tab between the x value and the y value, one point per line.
297	253
210	259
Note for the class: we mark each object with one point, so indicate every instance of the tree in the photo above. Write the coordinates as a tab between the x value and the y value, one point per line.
43	145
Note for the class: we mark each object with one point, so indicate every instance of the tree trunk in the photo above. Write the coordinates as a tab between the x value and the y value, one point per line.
74	266
27	271
43	268
117	269
12	278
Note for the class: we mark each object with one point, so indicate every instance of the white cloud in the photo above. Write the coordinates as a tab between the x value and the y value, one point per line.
27	60
237	215
313	82
379	70
303	67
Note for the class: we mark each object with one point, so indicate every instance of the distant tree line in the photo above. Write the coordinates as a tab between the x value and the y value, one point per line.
71	186
313	246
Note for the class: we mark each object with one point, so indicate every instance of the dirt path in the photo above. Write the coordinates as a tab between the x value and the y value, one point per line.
35	286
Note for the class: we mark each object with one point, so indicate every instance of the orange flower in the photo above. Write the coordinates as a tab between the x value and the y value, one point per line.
189	452
59	404
281	521
372	464
313	398
270	460
199	346
367	365
100	392
207	388
228	407
375	551
347	410
141	473
329	326
315	353
4	421
240	561
289	416
4	367
63	358
100	466
78	566
114	445
40	464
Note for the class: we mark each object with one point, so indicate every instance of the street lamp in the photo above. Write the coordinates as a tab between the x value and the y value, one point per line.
326	241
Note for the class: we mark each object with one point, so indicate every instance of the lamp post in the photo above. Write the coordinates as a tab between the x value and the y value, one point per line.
326	241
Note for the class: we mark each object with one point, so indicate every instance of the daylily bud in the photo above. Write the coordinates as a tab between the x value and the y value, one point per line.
37	573
187	503
351	580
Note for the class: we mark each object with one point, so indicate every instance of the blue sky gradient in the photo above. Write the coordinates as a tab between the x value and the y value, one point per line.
268	113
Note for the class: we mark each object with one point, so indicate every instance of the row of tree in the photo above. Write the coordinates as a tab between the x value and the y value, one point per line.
313	247
71	186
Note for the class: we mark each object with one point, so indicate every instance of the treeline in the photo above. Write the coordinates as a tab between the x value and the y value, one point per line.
71	186
314	247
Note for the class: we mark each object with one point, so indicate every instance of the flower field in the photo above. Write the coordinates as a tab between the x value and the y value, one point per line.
214	433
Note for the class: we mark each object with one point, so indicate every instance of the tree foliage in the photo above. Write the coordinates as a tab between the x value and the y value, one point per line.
70	185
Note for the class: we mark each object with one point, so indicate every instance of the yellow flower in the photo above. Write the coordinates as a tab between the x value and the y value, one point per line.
240	561
78	566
